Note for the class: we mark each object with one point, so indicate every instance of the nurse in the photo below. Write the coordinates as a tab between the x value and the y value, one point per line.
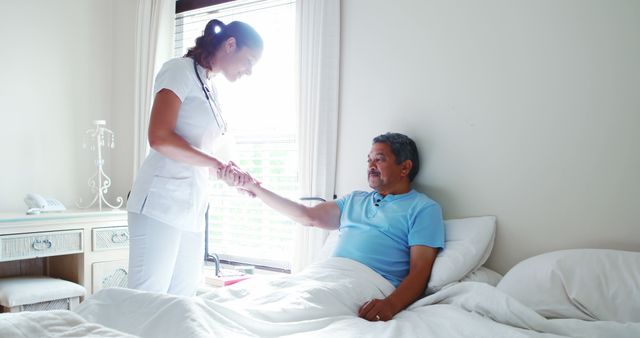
168	200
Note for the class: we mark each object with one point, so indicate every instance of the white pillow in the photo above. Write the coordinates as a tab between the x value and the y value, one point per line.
329	245
468	244
16	291
588	284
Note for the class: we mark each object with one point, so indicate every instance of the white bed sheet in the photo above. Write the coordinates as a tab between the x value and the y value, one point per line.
58	323
322	301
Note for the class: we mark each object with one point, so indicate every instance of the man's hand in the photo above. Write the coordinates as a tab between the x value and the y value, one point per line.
234	176
378	310
411	288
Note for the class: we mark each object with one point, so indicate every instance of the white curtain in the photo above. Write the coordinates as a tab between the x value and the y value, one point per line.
154	45
318	38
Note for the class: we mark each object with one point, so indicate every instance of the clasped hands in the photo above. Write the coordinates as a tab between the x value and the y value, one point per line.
234	176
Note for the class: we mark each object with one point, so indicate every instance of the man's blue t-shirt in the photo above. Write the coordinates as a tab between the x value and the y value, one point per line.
378	231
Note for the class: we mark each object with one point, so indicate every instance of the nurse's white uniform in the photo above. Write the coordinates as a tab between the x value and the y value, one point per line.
169	198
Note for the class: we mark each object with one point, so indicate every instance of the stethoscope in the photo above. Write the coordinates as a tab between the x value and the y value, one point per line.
217	115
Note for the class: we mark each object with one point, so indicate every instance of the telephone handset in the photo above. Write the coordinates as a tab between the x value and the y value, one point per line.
38	204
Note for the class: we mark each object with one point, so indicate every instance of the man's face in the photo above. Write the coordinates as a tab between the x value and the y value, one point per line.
383	172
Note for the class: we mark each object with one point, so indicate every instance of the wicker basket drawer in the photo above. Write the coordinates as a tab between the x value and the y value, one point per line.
40	244
111	238
110	274
58	304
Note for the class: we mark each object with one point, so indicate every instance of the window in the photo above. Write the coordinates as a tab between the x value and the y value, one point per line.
262	136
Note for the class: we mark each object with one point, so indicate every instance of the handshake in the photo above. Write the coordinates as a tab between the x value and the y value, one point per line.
234	176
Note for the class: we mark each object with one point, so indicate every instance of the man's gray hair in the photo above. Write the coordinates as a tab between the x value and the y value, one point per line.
403	148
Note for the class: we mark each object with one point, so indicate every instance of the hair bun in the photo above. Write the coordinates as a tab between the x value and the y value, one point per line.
213	27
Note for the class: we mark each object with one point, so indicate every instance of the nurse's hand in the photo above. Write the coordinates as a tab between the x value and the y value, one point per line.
230	174
234	176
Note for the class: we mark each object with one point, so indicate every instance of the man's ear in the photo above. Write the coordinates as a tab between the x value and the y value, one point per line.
230	45
406	167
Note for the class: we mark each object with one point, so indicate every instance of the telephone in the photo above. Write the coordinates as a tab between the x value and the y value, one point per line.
38	204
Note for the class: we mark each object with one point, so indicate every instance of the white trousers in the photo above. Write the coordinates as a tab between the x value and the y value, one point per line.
163	258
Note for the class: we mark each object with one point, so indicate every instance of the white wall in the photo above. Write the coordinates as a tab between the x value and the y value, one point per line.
63	64
527	110
124	25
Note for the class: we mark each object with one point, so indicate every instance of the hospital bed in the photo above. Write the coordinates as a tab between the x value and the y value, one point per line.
568	293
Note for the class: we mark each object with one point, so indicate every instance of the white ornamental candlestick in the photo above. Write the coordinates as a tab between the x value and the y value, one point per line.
99	182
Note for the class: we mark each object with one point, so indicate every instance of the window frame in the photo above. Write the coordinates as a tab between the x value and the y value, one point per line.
189	5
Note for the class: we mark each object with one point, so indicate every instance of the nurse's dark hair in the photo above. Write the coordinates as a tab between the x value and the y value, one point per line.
403	148
216	33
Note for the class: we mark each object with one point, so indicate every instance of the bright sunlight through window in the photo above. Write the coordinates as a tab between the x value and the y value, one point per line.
262	136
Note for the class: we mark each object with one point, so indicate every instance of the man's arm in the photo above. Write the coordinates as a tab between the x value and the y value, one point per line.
411	288
325	215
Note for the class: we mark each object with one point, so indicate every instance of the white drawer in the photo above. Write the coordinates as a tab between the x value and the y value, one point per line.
110	274
40	244
111	238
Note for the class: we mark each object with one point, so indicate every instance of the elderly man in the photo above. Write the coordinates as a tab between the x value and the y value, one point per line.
394	230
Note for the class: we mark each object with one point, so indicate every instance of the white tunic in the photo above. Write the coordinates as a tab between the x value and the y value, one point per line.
169	191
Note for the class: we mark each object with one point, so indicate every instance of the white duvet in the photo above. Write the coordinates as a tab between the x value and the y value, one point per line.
321	301
58	323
